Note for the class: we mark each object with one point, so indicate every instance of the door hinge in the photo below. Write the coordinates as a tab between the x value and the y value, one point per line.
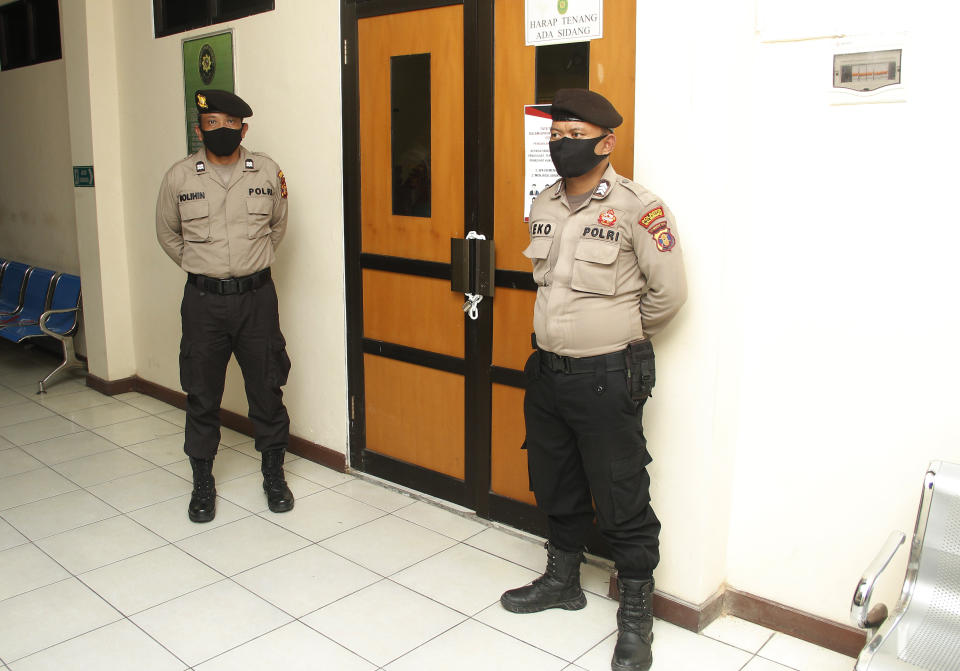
345	51
353	409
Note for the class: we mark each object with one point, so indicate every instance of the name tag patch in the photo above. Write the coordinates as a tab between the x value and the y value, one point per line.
196	195
541	229
598	233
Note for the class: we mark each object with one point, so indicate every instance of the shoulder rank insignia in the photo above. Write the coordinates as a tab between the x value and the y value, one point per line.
248	164
201	101
665	240
607	218
602	188
283	184
201	167
651	216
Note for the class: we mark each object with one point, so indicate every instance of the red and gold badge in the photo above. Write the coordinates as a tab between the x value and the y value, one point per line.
651	216
607	218
665	240
283	184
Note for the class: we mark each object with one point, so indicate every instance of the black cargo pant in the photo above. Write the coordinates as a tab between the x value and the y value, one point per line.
248	326
585	444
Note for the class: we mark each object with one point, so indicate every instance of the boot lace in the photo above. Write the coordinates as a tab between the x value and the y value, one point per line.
634	613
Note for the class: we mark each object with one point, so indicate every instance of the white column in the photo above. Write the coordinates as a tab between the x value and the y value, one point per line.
90	55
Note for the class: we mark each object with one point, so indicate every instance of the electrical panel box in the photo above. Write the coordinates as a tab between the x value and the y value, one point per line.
867	71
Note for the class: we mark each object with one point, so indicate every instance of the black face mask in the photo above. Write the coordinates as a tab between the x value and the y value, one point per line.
222	141
573	158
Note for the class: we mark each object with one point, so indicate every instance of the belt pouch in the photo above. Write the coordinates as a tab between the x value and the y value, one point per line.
641	372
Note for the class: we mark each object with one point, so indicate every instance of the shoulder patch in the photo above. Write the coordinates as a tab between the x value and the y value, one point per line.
651	216
283	184
665	240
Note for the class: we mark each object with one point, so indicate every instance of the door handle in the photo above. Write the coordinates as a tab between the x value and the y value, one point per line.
472	265
472	269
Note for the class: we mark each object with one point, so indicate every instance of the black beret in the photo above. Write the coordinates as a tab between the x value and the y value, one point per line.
584	105
215	100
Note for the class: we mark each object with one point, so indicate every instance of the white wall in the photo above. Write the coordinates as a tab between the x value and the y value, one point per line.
287	64
37	222
691	127
811	376
850	366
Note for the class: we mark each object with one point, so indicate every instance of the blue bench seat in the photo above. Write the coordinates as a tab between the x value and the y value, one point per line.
51	306
11	287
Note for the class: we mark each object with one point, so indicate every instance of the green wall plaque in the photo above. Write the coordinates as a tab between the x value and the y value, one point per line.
207	64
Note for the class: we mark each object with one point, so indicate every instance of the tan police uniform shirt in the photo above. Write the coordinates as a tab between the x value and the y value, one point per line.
222	231
609	272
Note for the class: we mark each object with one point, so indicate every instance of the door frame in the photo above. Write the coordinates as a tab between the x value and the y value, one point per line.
478	96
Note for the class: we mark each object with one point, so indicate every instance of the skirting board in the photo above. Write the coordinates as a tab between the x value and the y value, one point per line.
232	420
728	601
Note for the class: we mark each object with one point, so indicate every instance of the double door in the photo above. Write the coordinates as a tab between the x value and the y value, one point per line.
434	151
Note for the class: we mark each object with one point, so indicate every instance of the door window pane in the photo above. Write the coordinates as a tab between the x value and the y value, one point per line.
562	66
410	134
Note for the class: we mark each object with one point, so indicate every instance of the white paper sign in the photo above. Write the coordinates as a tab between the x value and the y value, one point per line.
539	172
559	21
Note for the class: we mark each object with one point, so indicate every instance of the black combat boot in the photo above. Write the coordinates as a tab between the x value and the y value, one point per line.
203	500
635	624
558	587
279	496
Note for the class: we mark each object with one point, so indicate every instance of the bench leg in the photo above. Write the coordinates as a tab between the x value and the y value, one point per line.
70	360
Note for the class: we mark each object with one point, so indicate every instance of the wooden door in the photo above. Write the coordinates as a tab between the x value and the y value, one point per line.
437	398
411	116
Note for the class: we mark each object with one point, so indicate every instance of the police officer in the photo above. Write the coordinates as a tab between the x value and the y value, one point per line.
610	273
221	213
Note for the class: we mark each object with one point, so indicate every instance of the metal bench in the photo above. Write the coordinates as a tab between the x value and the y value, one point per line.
34	299
11	287
57	318
923	631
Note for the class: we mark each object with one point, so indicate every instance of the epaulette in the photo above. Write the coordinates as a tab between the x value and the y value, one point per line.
645	196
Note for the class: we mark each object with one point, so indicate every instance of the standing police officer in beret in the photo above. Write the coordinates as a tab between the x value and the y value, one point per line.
221	214
610	273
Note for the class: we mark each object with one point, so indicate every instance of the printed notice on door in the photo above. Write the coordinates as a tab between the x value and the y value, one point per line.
539	172
559	21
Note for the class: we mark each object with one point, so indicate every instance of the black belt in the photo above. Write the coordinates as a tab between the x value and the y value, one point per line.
231	285
582	364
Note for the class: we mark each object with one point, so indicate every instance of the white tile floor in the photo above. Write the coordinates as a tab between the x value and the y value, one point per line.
100	568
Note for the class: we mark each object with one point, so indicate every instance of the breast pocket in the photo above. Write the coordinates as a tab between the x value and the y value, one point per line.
538	251
595	267
195	221
259	212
